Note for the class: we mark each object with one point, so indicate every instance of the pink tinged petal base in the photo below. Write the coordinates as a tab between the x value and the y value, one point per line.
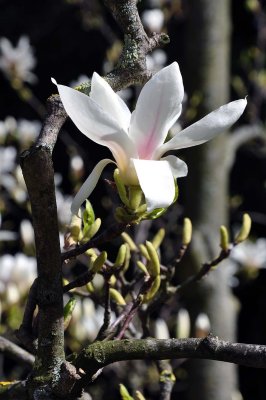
179	167
206	128
89	185
158	107
156	181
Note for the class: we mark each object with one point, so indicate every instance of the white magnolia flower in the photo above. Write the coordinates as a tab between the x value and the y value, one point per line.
17	62
137	141
250	254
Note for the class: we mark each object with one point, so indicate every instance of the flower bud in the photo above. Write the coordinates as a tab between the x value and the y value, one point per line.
68	311
121	188
144	251
245	229
117	297
153	290
124	393
224	241
129	241
120	259
158	238
142	267
154	263
139	396
99	262
90	230
187	232
88	214
135	197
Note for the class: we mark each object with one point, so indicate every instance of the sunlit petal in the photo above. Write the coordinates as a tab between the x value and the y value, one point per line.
206	128
179	167
92	121
158	107
112	104
89	185
156	181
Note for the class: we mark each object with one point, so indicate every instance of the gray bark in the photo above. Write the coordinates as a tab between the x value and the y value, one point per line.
206	201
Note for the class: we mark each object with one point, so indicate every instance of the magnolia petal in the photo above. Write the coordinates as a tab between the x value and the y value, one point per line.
206	128
158	107
89	185
95	123
156	181
179	167
112	104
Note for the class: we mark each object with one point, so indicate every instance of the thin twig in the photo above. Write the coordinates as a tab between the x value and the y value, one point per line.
106	236
16	352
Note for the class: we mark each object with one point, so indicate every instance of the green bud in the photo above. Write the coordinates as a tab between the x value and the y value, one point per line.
135	197
122	191
142	267
90	287
187	232
139	396
127	259
144	251
120	259
90	230
124	393
99	262
127	239
75	227
158	238
88	214
153	290
154	263
245	229
117	297
68	311
112	280
224	238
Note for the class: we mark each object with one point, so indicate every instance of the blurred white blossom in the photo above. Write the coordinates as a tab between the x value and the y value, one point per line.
202	325
6	235
7	159
160	329
76	163
87	320
182	324
27	131
153	19
17	62
63	207
16	276
156	60
26	232
250	254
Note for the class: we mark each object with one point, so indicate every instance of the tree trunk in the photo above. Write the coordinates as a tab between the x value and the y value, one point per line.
207	75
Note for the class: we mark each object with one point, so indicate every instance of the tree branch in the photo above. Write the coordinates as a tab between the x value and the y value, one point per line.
101	354
16	352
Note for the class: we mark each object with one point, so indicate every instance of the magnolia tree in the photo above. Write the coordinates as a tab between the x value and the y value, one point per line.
136	283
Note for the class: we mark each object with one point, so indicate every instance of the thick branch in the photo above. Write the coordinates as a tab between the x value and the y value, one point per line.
38	172
101	354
